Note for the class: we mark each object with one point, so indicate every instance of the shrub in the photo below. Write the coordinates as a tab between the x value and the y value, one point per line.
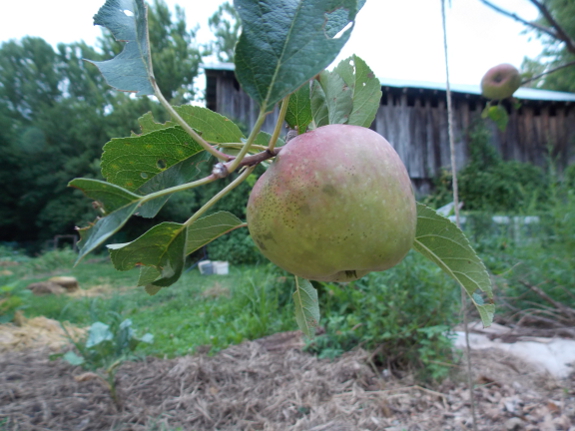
488	183
403	315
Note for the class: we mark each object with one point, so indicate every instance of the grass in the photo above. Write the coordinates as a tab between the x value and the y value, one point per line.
214	311
408	310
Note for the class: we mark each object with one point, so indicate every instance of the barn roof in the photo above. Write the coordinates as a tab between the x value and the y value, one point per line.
522	93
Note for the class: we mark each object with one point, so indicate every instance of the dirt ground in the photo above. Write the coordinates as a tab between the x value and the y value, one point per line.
270	384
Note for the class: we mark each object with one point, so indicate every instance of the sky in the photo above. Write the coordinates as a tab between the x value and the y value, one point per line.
398	39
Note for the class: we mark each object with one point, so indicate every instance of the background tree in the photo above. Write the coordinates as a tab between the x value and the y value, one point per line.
225	25
56	113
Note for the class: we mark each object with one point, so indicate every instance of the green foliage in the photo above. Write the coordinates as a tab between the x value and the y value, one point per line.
107	344
237	247
554	54
445	244
225	25
404	315
488	183
12	299
300	39
303	42
175	55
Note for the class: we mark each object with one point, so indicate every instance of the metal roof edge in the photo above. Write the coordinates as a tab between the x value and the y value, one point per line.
522	93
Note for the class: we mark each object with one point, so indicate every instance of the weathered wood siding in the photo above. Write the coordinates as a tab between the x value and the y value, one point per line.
414	121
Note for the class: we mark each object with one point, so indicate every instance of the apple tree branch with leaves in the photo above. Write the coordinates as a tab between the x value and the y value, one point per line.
335	202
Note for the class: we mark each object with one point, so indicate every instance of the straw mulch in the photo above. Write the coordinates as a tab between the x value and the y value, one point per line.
260	386
39	332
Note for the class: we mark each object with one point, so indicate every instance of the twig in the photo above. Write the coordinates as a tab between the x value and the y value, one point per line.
547	72
561	33
516	17
569	312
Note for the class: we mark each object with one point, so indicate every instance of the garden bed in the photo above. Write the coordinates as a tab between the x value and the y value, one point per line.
270	384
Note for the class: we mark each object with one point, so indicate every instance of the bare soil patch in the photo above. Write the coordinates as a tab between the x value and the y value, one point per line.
270	384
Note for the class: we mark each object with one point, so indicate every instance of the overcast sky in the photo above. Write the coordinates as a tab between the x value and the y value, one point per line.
398	39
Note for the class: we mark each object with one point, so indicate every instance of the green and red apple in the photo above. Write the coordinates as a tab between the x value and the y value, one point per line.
336	204
500	82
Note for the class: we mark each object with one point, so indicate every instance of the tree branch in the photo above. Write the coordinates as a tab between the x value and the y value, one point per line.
516	17
547	72
561	34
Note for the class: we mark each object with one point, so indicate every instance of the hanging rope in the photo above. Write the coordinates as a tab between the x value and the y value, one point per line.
456	209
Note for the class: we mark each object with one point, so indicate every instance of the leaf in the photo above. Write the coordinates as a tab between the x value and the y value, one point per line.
98	333
319	108
208	228
131	162
442	242
109	196
162	247
131	70
499	115
147	338
119	205
331	99
214	127
73	359
180	173
298	115
306	306
148	124
365	89
285	44
160	250
264	138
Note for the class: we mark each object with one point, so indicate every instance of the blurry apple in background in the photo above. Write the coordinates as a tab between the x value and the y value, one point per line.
500	82
336	204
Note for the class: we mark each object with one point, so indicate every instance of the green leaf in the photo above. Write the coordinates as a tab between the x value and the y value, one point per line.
147	338
98	333
331	99
499	115
306	306
131	70
208	228
298	115
180	173
285	44
442	242
118	204
133	161
109	196
264	138
148	124
214	127
73	359
162	247
365	89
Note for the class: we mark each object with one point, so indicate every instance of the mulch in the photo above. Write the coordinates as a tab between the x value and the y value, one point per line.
270	384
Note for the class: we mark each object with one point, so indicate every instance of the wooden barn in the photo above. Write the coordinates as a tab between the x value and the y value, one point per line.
413	117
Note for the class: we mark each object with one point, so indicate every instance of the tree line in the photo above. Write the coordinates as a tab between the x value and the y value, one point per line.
56	113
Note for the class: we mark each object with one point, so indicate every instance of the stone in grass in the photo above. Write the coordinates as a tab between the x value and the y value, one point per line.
69	283
46	288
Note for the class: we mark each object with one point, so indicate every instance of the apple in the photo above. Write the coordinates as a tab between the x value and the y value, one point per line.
500	82
336	204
